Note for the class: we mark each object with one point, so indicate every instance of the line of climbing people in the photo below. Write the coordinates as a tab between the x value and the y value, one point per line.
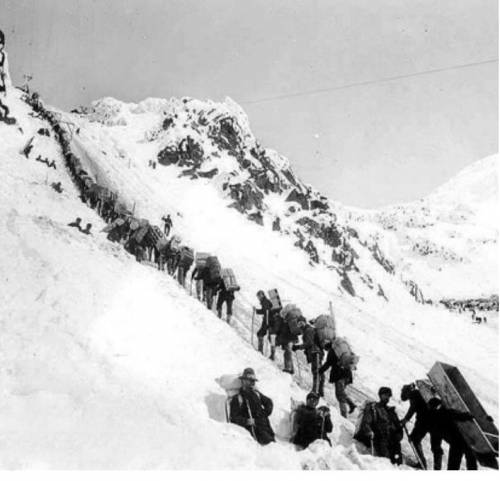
378	427
148	243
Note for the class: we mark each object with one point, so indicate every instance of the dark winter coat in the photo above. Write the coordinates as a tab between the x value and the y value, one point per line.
284	335
383	422
251	404
265	312
418	406
310	343
275	323
310	426
224	294
337	372
442	426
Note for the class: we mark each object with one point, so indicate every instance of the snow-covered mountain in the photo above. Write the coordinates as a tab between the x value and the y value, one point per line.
107	363
447	241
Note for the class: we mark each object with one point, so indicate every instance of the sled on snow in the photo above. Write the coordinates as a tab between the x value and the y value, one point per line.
480	433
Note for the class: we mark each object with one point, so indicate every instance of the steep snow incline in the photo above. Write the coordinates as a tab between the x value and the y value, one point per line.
397	341
108	364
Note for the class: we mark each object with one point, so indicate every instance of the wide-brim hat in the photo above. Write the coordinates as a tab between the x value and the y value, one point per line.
249	374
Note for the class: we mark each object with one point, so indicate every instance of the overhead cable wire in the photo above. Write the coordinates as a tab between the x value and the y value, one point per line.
366	82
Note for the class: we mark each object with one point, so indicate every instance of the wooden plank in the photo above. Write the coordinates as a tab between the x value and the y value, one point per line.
457	394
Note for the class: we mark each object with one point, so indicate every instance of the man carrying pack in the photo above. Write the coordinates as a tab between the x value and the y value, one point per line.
341	376
211	279
311	423
418	406
167	224
314	355
381	429
264	311
225	296
251	409
443	427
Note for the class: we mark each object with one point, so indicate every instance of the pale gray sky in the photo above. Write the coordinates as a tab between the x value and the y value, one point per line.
367	145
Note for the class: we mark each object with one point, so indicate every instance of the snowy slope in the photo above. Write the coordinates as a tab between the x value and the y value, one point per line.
447	241
409	338
106	363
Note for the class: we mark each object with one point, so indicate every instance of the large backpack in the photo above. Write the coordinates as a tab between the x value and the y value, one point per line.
213	270
201	259
344	353
274	297
186	257
141	233
325	329
362	428
291	314
229	279
175	244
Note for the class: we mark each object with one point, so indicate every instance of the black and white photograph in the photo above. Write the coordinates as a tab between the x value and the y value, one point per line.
251	235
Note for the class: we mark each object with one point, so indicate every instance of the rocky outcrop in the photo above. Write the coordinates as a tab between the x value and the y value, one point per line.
381	259
414	290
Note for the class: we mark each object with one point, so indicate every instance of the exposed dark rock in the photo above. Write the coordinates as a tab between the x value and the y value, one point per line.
414	290
381	293
301	199
379	257
347	284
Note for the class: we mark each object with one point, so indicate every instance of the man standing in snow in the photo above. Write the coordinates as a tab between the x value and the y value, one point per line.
225	297
311	423
341	376
167	224
265	312
314	354
443	427
419	407
382	428
251	409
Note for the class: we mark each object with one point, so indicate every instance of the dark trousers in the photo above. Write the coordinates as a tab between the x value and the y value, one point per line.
418	433
318	379
455	454
343	399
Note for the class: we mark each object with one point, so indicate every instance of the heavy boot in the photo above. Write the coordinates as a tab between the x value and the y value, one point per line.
287	357
260	344
273	353
438	461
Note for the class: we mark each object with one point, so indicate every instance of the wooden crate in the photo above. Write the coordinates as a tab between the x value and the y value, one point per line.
426	389
274	297
480	433
201	259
